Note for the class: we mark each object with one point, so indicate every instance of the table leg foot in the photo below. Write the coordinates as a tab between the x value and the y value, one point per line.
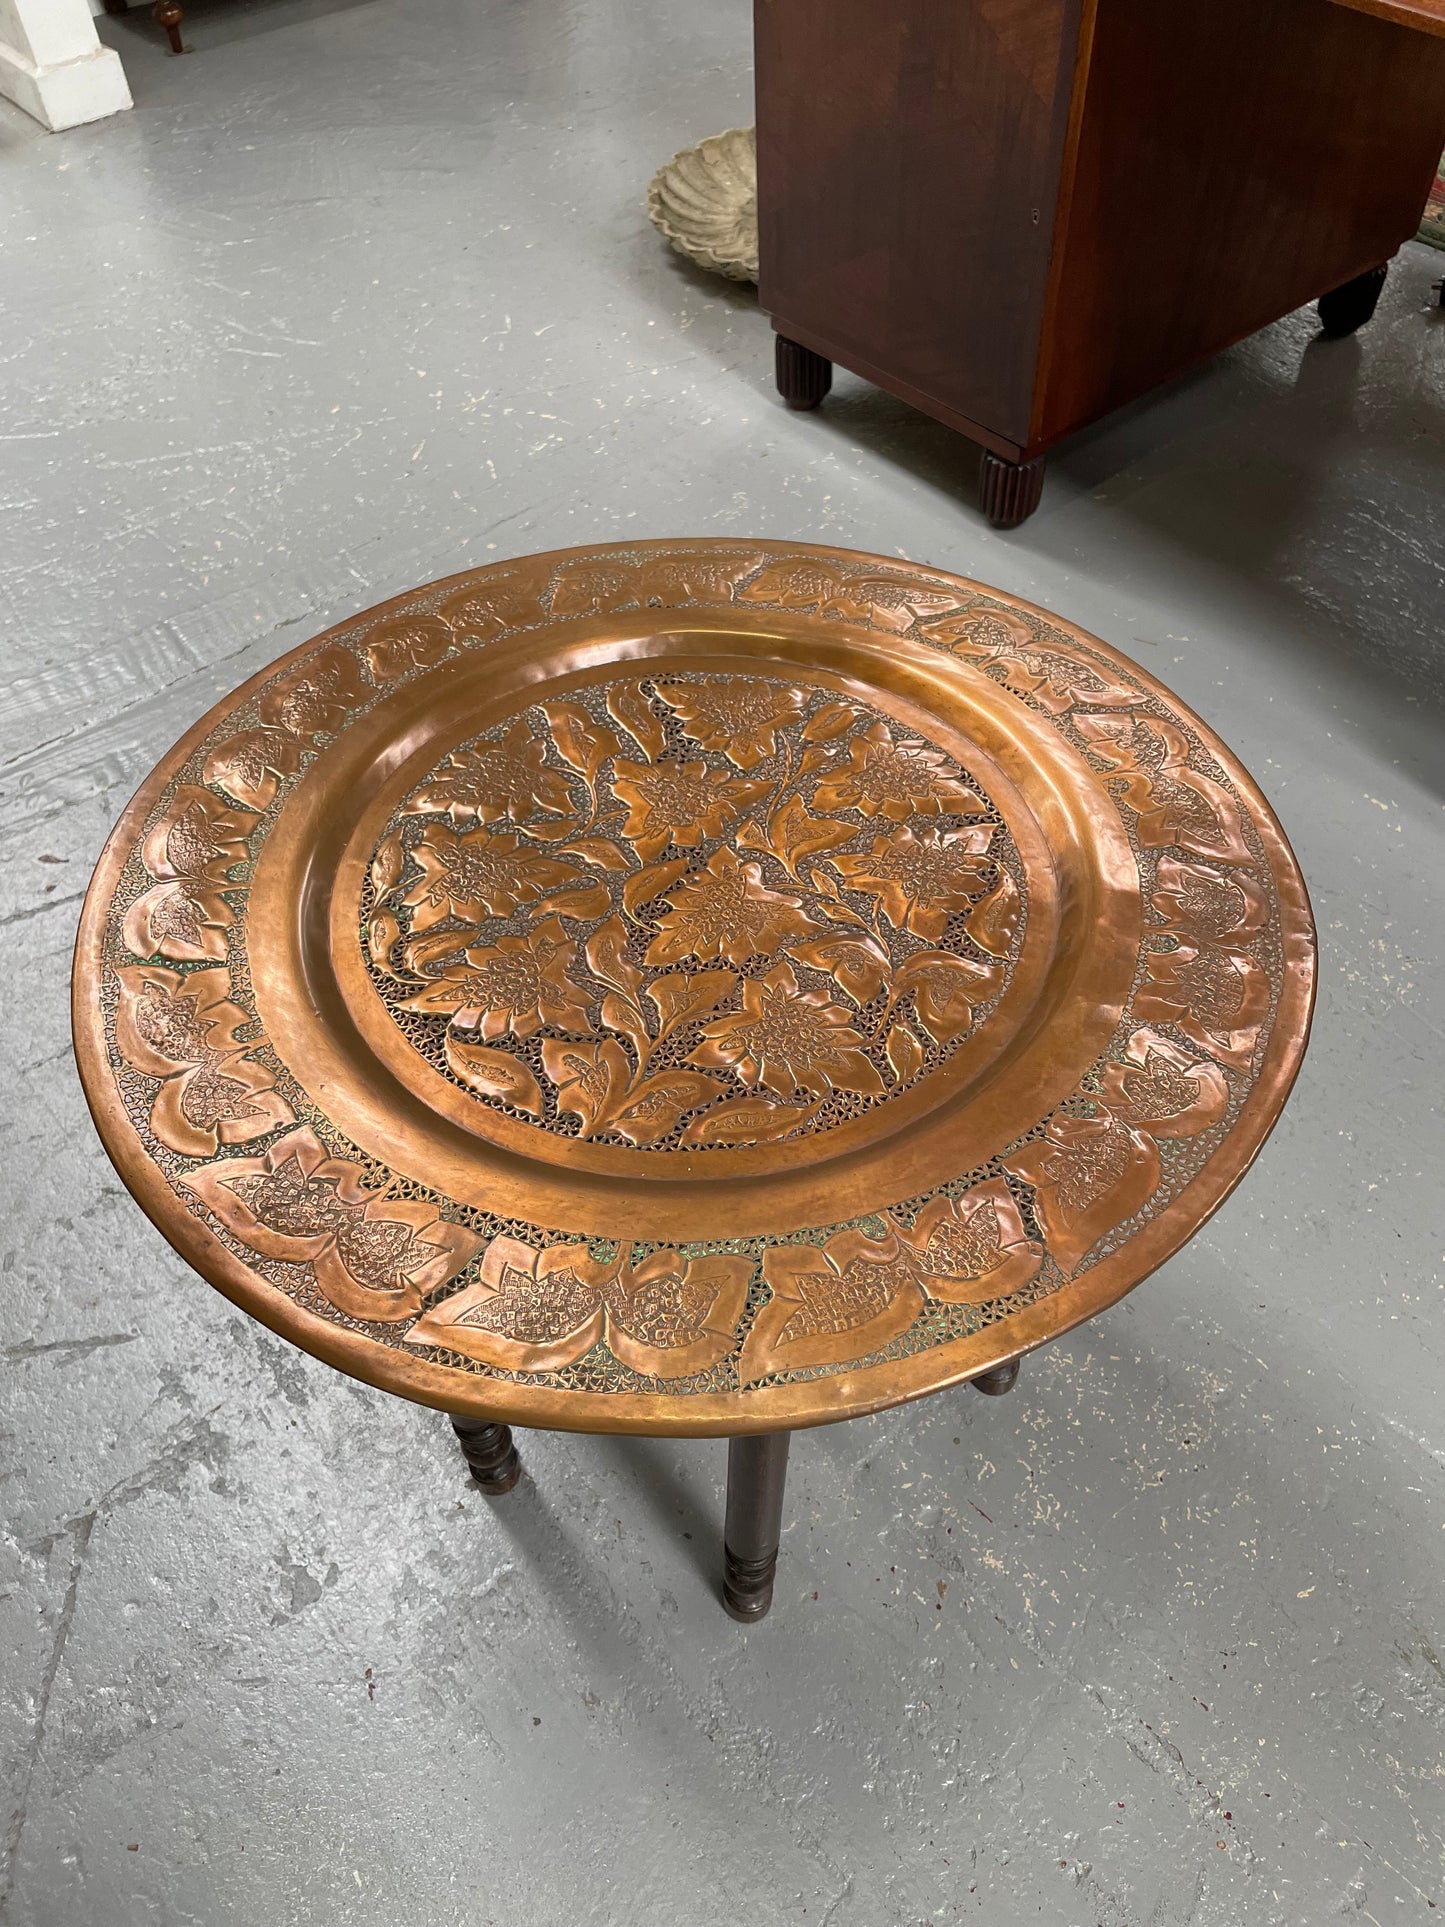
168	14
1350	305
757	1478
1009	492
803	377
1001	1379
490	1453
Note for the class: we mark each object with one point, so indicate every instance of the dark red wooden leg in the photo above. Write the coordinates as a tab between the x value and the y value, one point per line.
1008	492
490	1453
803	377
1350	306
1001	1379
167	14
757	1477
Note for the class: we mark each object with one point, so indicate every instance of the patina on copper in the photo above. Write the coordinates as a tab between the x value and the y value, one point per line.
691	987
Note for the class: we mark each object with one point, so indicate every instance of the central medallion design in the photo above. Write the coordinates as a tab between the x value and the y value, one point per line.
693	912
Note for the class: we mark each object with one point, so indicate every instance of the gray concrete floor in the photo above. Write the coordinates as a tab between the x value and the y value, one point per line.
361	294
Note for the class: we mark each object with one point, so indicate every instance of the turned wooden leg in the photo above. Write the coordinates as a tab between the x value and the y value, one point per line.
803	377
167	14
1350	306
757	1475
1008	492
489	1452
1001	1379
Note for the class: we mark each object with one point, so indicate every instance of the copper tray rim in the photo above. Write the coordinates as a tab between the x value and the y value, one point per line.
848	1394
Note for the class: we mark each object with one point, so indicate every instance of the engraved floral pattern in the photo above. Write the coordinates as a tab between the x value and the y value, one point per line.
739	715
672	801
1093	1171
517	903
726	911
921	878
182	1029
857	1291
512	987
508	778
897	778
788	1040
375	1257
486	873
541	1310
185	915
731	856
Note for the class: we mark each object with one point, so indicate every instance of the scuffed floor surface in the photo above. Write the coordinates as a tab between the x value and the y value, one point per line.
361	294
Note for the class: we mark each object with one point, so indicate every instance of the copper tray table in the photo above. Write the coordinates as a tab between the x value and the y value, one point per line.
694	988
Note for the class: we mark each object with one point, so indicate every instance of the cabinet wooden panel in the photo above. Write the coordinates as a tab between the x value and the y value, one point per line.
1020	214
908	162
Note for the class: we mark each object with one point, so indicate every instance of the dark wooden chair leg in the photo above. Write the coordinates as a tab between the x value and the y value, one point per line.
1350	305
1001	1379
1009	492
168	14
757	1476
803	377
489	1452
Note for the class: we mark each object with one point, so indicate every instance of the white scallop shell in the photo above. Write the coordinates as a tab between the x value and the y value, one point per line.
705	200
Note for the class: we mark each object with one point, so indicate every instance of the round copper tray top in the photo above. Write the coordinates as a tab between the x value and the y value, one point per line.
695	987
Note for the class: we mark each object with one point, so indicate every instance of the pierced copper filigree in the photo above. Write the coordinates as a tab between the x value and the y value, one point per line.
692	987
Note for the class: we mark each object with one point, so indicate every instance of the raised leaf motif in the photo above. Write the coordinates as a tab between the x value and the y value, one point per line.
1160	1088
383	934
186	921
508	597
495	1073
684	996
830	720
627	705
319	694
1174	804
404	643
830	1303
972	1248
653	1105
606	953
994	920
388	866
584	744
747	1120
251	764
586	588
182	1029
794	836
1088	1174
374	1257
581	902
647	884
600	851
904	1053
944	989
539	1311
589	1077
621	1014
858	965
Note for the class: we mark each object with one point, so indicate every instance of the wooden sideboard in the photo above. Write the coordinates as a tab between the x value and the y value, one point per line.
1017	215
